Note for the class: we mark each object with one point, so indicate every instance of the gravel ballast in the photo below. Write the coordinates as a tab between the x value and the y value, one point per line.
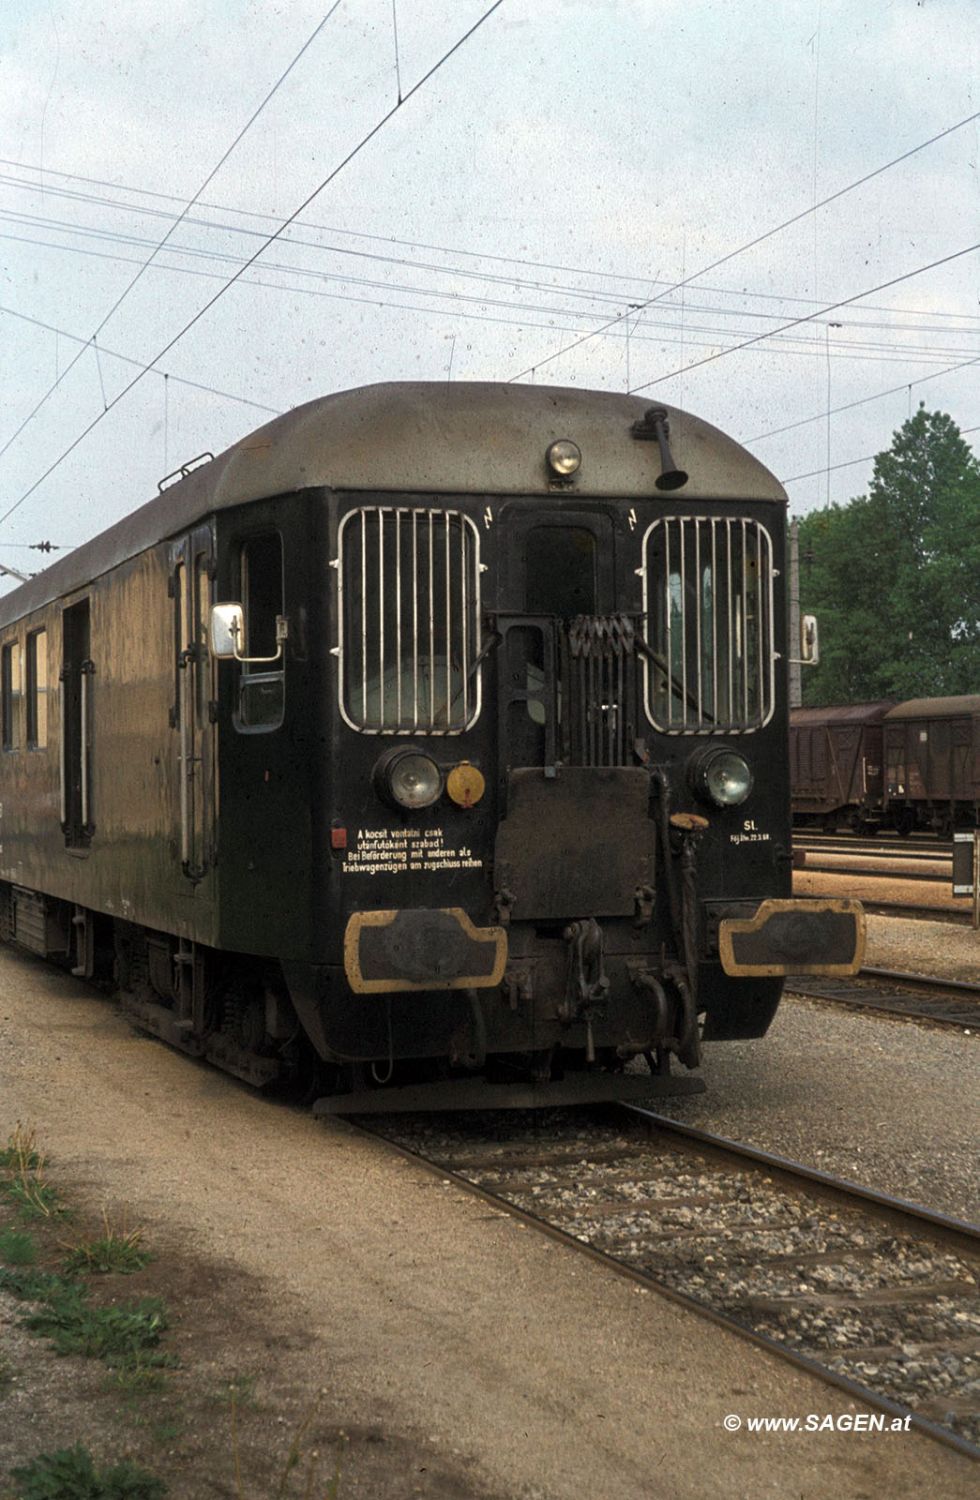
890	1103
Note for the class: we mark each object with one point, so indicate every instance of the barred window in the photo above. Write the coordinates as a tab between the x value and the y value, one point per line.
409	581
708	607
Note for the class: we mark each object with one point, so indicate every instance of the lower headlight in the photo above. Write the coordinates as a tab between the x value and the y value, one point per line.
409	778
723	776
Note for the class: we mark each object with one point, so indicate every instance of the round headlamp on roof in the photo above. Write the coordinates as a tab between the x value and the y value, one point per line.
564	457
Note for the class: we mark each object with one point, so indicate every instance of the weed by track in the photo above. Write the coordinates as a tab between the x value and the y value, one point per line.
56	1277
126	1336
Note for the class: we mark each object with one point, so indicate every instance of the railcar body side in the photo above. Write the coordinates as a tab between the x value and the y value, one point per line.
582	664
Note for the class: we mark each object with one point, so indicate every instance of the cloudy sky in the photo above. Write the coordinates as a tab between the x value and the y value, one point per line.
573	161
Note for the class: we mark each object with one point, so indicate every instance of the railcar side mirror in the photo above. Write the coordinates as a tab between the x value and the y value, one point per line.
228	634
809	642
227	630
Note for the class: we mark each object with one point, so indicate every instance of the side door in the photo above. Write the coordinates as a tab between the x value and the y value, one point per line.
192	715
77	675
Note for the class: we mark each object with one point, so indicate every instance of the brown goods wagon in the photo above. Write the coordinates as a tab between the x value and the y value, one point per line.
932	763
836	764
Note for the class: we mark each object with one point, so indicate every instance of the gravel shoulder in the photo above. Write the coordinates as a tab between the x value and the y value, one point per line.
463	1355
891	1103
922	947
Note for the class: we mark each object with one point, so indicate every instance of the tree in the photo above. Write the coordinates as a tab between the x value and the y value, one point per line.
894	575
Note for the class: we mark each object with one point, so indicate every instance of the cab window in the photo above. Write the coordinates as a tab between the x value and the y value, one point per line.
261	696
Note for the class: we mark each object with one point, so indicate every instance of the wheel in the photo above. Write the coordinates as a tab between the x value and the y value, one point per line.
904	821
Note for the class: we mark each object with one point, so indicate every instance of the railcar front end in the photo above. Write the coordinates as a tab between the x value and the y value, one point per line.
555	808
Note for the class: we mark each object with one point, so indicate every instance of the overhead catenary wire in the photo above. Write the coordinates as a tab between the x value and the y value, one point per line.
809	317
197	385
881	353
862	401
759	239
105	236
914	353
174	226
231	281
851	462
615	296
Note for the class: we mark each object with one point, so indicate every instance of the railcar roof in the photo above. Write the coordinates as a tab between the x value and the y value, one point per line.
850	713
937	708
426	438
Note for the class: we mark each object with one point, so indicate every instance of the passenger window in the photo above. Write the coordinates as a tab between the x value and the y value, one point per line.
262	686
37	690
10	694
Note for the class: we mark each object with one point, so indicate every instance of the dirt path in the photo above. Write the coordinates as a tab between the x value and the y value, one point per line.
461	1355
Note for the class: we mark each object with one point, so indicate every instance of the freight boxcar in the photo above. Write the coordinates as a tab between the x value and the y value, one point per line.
932	764
836	765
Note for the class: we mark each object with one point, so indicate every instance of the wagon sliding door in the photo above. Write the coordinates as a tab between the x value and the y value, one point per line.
192	569
76	727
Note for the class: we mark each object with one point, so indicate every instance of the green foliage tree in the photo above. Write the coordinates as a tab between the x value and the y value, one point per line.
894	575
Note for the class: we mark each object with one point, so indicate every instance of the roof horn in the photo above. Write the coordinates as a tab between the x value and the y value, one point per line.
654	424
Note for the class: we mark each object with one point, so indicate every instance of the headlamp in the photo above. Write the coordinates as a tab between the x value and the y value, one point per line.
721	776
564	458
408	778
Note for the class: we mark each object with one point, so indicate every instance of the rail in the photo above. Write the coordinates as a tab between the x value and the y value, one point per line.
558	1188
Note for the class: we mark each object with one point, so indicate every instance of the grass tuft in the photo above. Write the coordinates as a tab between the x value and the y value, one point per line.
139	1377
17	1248
22	1177
34	1286
20	1153
70	1474
126	1334
116	1250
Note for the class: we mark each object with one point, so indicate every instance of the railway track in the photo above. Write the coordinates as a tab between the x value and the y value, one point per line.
945	1002
949	914
884	846
874	1295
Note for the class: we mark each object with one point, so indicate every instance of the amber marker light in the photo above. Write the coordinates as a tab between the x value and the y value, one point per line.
465	785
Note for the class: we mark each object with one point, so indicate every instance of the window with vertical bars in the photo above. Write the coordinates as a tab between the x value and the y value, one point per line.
409	581
708	611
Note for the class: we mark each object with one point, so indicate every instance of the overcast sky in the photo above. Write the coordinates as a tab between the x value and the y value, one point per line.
574	159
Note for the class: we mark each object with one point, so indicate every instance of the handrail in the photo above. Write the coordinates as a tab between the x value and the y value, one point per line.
185	763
